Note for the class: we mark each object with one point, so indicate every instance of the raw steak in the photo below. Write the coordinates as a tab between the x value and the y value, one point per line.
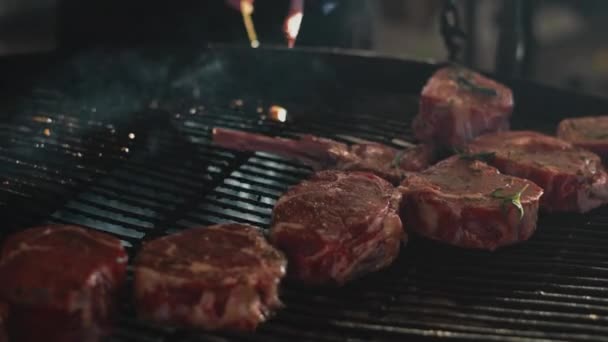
337	226
457	105
573	179
467	203
321	154
588	132
60	282
218	277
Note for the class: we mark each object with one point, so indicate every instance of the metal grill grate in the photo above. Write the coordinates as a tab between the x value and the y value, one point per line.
156	172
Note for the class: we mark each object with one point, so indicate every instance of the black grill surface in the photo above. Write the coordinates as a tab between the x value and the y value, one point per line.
123	145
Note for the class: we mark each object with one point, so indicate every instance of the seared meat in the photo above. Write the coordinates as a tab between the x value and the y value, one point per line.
219	277
573	178
588	132
60	282
457	105
321	154
467	203
337	226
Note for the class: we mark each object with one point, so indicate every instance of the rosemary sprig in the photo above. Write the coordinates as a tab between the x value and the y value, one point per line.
514	199
481	156
396	163
465	81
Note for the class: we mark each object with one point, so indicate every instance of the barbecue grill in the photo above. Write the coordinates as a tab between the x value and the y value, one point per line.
122	145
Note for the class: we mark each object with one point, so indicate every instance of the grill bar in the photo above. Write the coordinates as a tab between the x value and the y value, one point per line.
139	175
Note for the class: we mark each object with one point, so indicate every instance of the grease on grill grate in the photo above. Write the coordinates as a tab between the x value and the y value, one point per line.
159	173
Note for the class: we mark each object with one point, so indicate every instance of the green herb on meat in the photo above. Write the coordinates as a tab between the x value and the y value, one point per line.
465	82
396	163
481	156
514	199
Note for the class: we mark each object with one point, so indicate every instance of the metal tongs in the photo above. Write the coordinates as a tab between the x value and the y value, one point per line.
291	26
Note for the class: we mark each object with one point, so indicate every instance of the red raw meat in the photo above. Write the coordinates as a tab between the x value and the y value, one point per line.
457	105
321	154
467	203
60	282
337	226
218	277
587	132
573	178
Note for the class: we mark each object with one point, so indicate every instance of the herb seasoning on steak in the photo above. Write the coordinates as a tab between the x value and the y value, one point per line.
224	276
337	226
587	132
457	105
573	179
467	203
60	282
321	154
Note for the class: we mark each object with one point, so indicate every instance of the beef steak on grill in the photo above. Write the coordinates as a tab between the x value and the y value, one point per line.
60	282
337	226
224	276
319	153
573	179
467	203
456	105
587	132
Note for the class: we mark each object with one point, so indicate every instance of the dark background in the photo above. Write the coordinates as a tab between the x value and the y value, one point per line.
567	47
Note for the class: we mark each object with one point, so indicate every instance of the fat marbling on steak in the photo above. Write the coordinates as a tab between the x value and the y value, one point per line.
589	132
321	154
467	203
337	226
60	282
223	276
573	179
457	105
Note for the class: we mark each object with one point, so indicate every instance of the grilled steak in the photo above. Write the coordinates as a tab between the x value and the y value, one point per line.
573	179
467	203
588	132
337	226
456	105
219	277
60	282
321	154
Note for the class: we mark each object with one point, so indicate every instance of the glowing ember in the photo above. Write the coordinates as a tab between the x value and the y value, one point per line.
277	113
236	103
